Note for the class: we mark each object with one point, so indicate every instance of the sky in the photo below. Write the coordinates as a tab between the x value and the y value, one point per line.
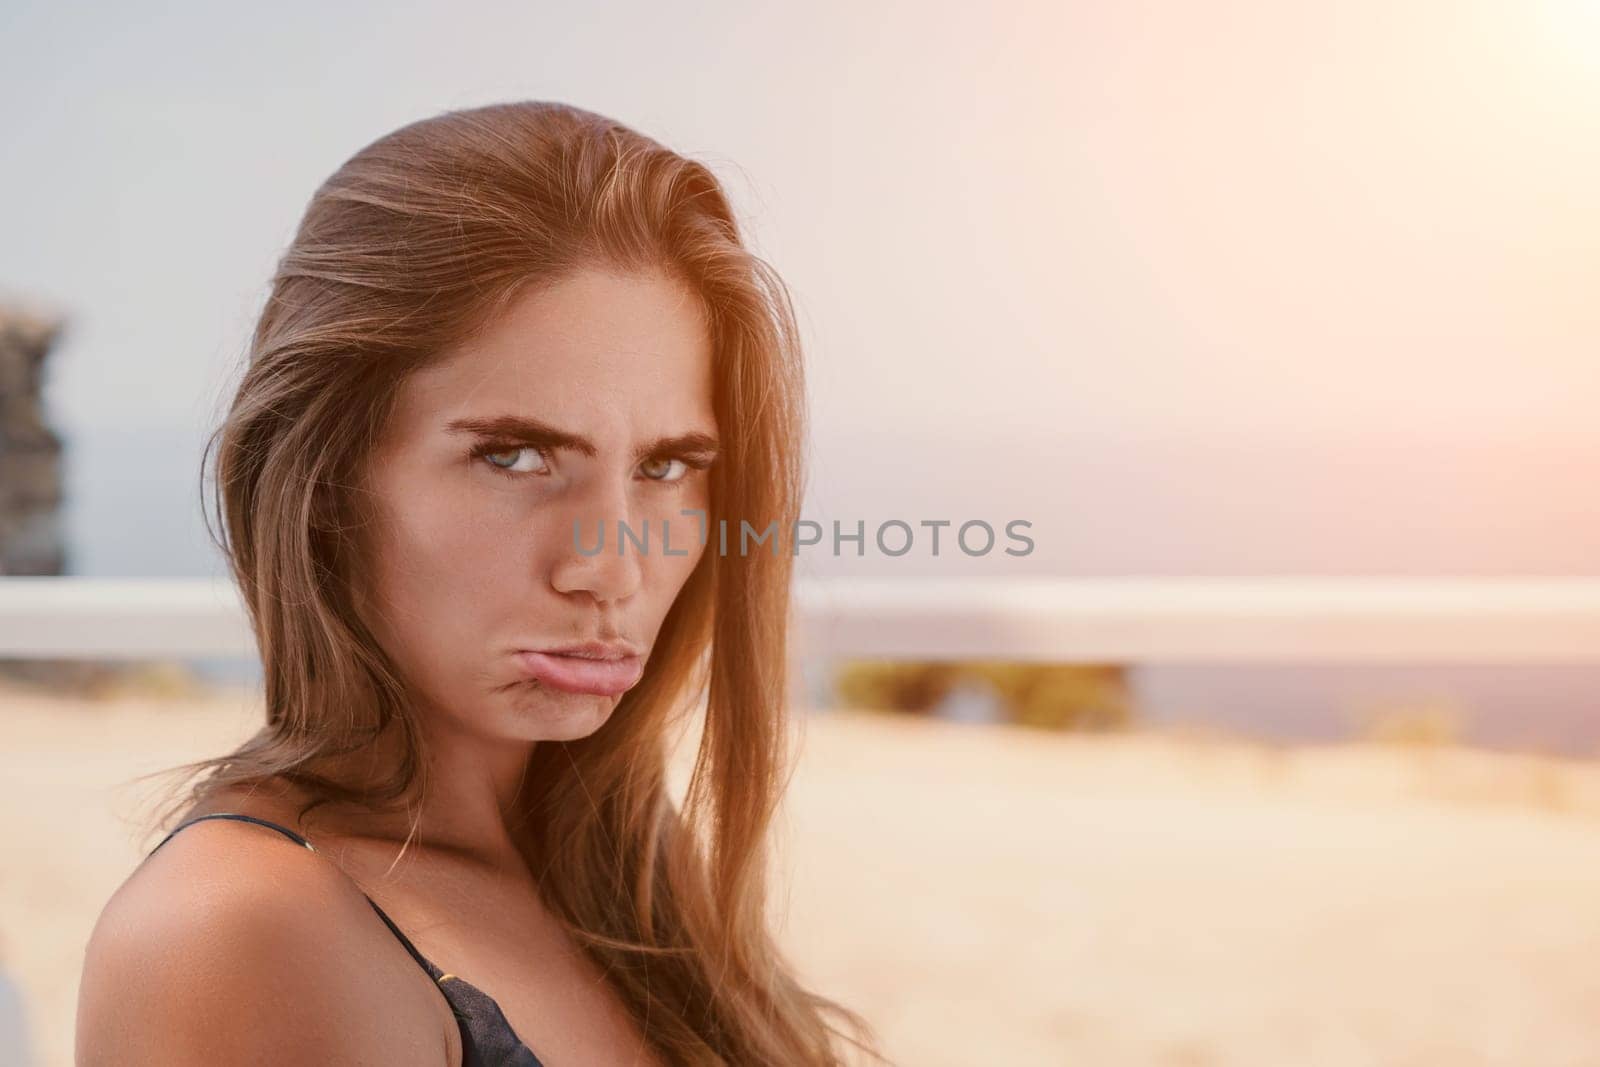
1240	287
1243	287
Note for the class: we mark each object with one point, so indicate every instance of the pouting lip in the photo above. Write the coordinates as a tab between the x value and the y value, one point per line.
605	650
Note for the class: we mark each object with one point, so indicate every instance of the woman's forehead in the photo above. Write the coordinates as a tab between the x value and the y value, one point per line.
598	316
593	351
592	324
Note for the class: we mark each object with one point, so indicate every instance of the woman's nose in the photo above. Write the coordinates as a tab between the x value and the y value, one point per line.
601	548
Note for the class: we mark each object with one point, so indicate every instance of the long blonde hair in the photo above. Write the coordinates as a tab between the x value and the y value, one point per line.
410	246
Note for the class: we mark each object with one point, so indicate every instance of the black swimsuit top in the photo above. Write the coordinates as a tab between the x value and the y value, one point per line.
487	1039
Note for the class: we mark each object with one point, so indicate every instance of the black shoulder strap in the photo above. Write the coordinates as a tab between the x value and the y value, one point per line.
284	830
427	965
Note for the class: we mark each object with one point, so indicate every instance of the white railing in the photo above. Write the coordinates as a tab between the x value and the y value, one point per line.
1124	620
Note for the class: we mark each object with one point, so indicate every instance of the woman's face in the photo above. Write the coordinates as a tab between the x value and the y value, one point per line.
586	403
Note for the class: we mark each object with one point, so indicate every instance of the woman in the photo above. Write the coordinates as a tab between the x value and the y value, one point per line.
499	335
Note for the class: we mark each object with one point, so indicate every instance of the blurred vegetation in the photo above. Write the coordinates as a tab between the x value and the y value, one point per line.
103	680
1044	695
1415	722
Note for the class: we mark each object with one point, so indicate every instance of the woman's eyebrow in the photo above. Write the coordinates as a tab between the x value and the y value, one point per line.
533	432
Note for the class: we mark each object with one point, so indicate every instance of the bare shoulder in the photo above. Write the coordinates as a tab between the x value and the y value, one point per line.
232	944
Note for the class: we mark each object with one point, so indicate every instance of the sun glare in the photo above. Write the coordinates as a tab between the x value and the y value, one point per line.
1573	29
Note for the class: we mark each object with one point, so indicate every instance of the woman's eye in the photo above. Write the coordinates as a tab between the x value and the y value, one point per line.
513	459
664	465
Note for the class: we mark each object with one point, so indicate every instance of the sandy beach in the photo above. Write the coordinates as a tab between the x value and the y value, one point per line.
998	895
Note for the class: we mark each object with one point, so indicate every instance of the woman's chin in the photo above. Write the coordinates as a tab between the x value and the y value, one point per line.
555	715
